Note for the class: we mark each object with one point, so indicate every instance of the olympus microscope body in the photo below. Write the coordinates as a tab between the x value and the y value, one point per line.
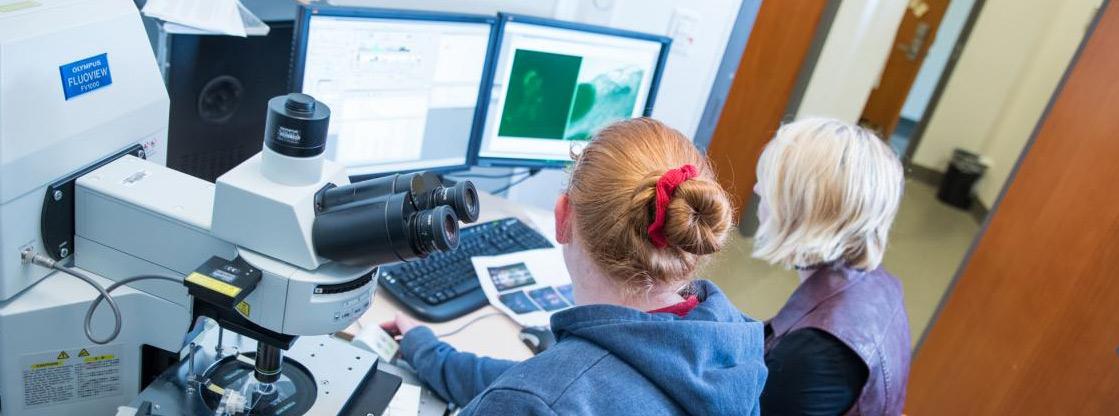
83	181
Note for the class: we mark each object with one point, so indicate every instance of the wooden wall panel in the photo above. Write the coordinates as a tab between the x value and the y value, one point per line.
780	40
1032	326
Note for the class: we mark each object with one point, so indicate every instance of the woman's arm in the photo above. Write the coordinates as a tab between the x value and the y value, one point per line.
812	373
455	376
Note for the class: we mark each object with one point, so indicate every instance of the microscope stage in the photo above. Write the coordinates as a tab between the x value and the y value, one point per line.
294	392
319	375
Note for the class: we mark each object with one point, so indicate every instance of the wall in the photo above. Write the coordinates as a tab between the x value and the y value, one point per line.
937	59
1026	105
1006	74
852	59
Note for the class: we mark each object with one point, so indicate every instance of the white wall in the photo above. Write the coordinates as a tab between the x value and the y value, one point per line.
851	62
1035	89
1006	74
937	58
989	67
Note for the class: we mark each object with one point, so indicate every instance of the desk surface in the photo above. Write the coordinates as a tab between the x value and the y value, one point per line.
493	336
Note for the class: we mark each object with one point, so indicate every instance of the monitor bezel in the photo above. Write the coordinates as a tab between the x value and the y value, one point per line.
499	32
299	54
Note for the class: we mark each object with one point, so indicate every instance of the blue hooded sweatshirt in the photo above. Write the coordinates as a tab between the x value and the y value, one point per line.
611	360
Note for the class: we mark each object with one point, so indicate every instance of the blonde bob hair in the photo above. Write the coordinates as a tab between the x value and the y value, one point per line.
829	193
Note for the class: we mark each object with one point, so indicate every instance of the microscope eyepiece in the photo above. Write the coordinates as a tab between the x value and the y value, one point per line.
437	229
463	197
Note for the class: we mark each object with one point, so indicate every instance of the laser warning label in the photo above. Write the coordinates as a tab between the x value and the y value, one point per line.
65	376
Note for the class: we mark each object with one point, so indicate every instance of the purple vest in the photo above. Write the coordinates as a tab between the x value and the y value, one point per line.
865	311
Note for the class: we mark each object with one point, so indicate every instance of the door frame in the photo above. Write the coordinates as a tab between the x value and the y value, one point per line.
811	59
724	76
942	83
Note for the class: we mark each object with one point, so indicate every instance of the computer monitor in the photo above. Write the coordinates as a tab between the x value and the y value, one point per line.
555	84
402	86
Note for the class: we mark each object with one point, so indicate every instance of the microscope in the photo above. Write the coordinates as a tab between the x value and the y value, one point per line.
289	203
126	286
285	203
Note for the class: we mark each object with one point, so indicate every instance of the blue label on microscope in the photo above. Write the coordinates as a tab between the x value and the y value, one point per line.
86	75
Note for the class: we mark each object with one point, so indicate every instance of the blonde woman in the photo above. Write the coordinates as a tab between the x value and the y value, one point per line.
828	194
641	212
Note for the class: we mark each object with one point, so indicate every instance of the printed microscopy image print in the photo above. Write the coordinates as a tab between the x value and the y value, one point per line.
538	99
518	302
568	293
511	276
548	298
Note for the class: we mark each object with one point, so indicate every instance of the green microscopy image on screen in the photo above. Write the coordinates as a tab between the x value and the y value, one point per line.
607	92
538	101
566	97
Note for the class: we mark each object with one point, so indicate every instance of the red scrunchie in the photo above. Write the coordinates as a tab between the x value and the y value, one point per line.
666	186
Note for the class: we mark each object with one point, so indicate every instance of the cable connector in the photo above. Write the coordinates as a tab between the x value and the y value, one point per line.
30	256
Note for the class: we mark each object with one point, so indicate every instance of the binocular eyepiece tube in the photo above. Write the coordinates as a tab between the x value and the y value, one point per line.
427	192
390	219
384	220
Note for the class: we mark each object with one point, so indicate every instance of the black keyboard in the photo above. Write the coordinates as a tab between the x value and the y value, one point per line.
443	286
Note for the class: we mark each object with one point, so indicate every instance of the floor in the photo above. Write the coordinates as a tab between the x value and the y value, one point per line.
927	245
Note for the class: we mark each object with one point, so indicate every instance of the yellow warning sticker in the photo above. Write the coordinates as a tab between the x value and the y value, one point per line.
97	358
243	308
47	364
18	5
213	284
57	377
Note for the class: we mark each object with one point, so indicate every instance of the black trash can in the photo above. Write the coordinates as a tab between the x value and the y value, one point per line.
963	171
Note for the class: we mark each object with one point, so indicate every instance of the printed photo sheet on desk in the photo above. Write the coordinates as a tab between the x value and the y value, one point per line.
528	286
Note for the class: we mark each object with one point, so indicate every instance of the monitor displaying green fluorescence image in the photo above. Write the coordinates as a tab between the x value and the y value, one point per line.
555	85
566	97
541	89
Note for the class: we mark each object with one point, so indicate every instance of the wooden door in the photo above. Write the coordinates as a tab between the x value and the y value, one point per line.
1032	325
911	44
780	40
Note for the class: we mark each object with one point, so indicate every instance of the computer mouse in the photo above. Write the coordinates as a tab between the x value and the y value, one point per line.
537	338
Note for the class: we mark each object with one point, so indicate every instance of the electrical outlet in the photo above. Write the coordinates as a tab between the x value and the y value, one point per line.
682	29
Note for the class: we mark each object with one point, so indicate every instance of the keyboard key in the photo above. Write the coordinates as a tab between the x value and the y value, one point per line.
466	285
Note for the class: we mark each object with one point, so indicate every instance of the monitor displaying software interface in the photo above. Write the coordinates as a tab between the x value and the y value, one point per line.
553	88
402	92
